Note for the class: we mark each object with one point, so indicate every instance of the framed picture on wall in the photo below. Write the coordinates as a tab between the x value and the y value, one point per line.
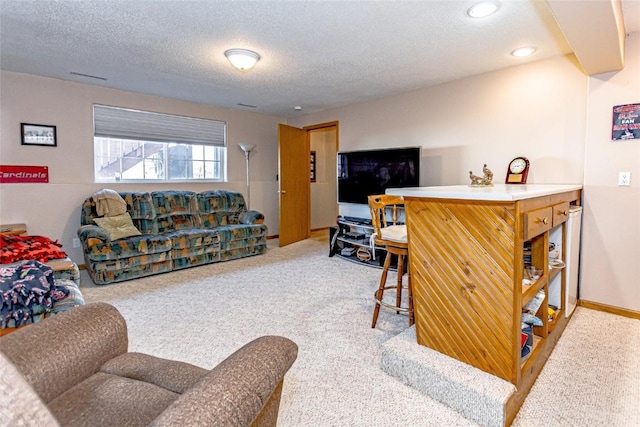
312	161
626	122
38	134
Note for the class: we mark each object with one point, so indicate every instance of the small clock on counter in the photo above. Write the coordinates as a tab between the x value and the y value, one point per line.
517	171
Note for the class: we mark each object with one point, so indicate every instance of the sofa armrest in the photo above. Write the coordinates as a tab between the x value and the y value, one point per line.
243	388
251	217
91	235
60	351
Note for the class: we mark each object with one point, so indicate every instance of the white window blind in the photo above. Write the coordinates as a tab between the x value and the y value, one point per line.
114	122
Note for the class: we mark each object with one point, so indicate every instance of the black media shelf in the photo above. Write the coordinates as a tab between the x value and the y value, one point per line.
342	243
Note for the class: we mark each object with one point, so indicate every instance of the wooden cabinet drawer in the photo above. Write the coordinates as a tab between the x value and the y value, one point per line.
537	222
560	213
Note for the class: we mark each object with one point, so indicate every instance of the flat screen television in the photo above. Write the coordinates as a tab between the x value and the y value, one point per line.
367	172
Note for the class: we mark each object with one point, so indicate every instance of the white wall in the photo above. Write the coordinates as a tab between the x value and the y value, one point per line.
611	234
547	111
53	209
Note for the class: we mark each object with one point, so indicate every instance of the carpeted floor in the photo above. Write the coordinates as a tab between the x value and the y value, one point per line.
203	314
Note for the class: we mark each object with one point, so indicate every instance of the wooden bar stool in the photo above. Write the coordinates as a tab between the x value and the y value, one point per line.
393	237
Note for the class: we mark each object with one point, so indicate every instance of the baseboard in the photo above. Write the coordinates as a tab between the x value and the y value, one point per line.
319	229
276	236
610	309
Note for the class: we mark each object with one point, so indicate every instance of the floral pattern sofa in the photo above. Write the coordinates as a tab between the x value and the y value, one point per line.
179	229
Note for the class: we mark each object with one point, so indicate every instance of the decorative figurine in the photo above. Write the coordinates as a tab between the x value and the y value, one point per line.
482	181
475	179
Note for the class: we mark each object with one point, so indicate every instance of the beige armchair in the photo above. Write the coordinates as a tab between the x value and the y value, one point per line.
74	369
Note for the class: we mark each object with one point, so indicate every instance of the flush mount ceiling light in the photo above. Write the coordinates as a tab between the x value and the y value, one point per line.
523	51
242	59
482	10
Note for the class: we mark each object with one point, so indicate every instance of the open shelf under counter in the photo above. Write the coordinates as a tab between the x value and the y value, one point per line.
557	315
535	348
553	272
530	291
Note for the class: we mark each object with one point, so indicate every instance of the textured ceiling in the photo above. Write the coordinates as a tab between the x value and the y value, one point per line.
315	54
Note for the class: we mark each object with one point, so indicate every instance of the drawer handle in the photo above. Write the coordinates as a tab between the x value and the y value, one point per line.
545	221
565	213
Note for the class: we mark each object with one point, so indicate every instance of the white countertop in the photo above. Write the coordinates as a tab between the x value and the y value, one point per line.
505	192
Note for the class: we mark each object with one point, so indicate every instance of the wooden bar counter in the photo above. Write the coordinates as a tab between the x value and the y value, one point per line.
466	260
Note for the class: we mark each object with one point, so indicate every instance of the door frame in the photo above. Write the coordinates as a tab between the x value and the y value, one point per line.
319	127
308	129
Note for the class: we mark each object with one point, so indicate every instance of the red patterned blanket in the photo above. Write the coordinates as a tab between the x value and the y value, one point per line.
38	248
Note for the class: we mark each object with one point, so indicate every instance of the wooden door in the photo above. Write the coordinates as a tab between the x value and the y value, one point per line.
294	181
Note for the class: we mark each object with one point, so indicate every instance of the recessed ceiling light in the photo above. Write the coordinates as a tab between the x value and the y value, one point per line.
523	51
297	108
482	10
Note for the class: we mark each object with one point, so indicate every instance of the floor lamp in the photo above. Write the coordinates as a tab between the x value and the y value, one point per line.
247	149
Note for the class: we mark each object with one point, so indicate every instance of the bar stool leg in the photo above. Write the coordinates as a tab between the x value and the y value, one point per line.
399	281
380	291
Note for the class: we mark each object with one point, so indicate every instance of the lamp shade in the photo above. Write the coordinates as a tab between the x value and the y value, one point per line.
246	147
242	59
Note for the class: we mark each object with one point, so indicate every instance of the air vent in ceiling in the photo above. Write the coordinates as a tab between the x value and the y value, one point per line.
88	76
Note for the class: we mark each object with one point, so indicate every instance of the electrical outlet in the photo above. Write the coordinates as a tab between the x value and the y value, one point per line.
76	242
624	179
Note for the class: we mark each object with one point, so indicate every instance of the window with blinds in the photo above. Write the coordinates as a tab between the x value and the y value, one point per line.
134	145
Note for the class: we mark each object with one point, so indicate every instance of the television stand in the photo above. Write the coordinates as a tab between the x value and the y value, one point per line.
351	240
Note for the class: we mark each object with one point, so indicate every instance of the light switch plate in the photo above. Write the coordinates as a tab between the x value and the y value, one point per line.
624	179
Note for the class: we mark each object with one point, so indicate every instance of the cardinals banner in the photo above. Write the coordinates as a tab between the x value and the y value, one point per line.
23	174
